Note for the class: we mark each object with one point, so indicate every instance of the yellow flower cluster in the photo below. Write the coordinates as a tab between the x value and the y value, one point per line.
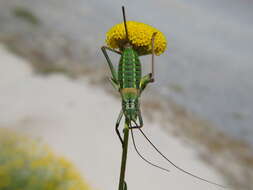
27	164
139	35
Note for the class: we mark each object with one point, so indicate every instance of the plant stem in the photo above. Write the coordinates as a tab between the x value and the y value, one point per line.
124	156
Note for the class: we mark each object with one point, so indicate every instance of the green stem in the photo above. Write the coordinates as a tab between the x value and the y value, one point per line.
122	183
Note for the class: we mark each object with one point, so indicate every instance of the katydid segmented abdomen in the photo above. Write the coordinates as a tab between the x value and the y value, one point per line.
129	72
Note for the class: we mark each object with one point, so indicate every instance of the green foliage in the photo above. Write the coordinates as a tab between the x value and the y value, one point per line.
29	165
26	15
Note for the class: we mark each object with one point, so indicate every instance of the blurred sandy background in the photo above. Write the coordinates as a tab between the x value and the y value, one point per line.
54	87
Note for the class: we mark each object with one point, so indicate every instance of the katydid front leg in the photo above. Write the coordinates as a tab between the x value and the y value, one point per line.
113	71
117	126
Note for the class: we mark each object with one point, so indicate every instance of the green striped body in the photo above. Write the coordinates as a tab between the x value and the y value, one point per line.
129	70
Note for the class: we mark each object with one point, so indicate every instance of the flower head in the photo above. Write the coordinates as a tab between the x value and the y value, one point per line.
140	37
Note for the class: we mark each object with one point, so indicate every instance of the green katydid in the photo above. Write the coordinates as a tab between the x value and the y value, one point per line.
128	81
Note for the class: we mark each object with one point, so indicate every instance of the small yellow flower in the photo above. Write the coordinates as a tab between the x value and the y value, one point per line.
139	35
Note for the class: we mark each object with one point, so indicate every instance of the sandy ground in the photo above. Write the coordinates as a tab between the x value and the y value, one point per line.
77	120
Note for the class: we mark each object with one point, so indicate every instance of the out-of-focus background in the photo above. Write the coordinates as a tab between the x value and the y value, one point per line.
54	89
